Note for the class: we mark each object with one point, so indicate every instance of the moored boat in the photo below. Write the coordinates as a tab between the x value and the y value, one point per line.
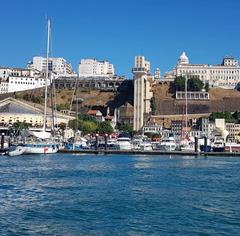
17	151
41	148
124	143
146	146
218	145
167	144
232	147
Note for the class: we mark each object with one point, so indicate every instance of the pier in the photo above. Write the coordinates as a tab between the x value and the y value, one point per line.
154	152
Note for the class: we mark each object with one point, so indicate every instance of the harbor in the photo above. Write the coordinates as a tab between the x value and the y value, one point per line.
67	194
154	152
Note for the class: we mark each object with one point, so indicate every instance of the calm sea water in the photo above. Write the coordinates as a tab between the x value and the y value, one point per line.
119	195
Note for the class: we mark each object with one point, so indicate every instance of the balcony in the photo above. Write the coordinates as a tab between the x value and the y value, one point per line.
139	70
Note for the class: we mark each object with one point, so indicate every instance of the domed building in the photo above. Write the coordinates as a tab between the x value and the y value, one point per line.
183	59
225	75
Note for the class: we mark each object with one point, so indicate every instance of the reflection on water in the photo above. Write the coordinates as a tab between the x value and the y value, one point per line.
119	195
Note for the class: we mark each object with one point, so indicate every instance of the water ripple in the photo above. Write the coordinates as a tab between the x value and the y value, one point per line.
119	195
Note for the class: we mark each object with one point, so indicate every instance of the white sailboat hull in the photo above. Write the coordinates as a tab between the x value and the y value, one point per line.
41	149
17	152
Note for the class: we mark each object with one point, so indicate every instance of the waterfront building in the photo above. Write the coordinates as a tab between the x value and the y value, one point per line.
152	128
225	75
142	91
233	132
206	126
58	65
95	68
13	111
177	127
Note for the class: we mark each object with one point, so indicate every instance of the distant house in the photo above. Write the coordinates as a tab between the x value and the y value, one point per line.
96	113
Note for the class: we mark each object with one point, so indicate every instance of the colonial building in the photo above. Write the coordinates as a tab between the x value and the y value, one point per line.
233	132
142	91
13	111
20	79
225	75
95	68
57	65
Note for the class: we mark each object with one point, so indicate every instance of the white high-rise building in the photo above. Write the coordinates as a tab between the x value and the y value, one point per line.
57	65
225	75
142	91
95	68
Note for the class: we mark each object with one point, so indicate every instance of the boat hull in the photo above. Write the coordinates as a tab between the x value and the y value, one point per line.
235	147
218	149
41	149
19	150
205	149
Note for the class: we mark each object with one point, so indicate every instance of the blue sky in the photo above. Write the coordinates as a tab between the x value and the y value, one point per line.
118	30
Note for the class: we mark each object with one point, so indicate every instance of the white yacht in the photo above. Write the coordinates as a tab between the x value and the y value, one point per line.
167	144
124	143
218	144
146	146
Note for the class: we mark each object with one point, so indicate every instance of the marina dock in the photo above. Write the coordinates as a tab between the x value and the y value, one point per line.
154	152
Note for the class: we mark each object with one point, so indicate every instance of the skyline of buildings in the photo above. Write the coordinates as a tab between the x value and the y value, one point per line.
225	75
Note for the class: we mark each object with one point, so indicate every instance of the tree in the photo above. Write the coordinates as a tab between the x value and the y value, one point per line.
86	117
153	105
63	106
222	115
20	125
75	124
236	115
125	128
88	127
206	87
193	84
179	83
105	127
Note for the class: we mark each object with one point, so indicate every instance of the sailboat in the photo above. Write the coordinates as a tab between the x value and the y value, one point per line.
187	143
44	144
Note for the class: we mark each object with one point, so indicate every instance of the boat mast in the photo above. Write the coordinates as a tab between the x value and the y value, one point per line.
186	104
46	79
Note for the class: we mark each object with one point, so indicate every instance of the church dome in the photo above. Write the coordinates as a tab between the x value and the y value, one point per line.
183	59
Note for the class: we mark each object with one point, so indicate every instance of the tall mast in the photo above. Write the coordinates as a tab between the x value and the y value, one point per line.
46	79
186	104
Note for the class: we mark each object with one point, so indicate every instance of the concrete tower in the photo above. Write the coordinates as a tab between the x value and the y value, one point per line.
142	91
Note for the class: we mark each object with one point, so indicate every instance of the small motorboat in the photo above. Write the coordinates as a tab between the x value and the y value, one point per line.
218	145
19	150
167	144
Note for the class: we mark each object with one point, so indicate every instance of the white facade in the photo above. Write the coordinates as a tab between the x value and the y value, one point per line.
95	68
17	79
142	91
57	65
3	87
225	75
